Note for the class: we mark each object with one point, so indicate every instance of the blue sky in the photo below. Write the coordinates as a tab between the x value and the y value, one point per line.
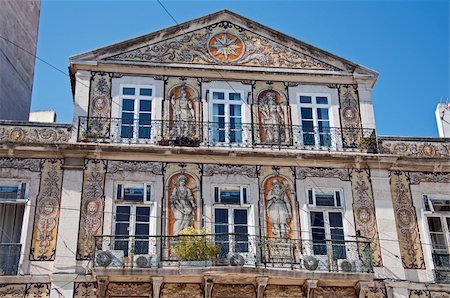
407	42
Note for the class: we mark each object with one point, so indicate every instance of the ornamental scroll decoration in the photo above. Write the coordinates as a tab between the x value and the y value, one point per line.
100	102
234	290
41	290
92	204
43	244
414	148
181	290
406	221
350	116
129	289
84	290
32	165
35	134
364	212
115	166
332	292
428	294
227	44
220	169
282	291
303	172
418	177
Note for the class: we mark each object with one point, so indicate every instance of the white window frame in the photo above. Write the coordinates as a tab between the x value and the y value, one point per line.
227	104
137	98
22	195
314	106
241	190
127	183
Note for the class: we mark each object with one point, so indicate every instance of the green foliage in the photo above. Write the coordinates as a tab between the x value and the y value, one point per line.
195	245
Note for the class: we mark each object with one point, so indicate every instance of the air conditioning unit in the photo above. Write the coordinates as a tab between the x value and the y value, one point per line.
236	259
109	258
144	261
345	265
310	262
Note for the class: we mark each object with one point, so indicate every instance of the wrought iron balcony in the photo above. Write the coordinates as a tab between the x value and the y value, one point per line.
442	267
215	250
9	258
222	134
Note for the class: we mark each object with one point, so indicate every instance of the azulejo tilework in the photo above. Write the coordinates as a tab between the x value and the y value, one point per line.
350	116
30	164
414	148
47	211
85	290
35	134
406	221
418	177
303	172
181	290
92	205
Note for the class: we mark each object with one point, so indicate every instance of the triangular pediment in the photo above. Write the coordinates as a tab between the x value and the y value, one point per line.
225	39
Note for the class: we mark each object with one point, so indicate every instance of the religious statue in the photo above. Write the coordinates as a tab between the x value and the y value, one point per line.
183	114
272	118
279	209
183	206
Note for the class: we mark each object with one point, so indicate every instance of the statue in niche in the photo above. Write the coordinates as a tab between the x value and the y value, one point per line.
272	118
279	209
183	114
183	205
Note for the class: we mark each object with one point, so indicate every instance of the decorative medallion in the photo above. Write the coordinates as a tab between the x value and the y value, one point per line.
226	47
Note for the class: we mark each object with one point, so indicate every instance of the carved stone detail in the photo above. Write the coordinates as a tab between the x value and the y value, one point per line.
333	292
406	221
261	283
32	165
414	148
439	294
43	245
129	289
234	290
156	286
115	166
35	134
364	212
219	169
85	290
92	204
418	177
181	290
243	47
282	291
303	172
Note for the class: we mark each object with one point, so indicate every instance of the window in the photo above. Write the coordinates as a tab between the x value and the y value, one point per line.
136	112
326	218
315	120
437	211
133	218
226	116
231	219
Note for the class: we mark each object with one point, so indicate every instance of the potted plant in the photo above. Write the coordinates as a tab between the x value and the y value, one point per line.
195	248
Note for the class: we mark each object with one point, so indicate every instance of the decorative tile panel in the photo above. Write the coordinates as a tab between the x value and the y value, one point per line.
92	205
406	221
233	290
414	148
303	172
32	165
418	294
282	291
181	290
43	245
333	292
350	116
100	102
364	212
37	290
418	177
85	290
219	169
35	134
129	289
12	290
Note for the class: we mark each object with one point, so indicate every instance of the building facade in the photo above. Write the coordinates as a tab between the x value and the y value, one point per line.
220	158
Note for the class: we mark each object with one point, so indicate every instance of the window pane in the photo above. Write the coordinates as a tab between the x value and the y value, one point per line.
142	229
146	92
307	126
306	113
143	214
317	219
218	95
240	217
9	192
324	199
221	215
440	205
123	213
335	219
321	100
127	118
218	109
235	96
128	105
235	110
324	126
133	194
128	91
144	119
434	223
126	132
145	105
322	114
144	132
305	99
230	196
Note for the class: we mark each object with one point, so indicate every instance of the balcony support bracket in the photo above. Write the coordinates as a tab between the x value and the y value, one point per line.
261	282
157	283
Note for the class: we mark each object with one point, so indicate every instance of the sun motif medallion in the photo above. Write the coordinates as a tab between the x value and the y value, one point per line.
226	47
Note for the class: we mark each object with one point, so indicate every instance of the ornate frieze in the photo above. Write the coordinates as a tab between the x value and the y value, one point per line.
282	291
418	177
129	289
350	116
85	290
46	219
35	134
30	164
233	290
230	45
333	292
364	212
181	290
115	166
406	221
100	102
92	204
414	148
303	172
219	169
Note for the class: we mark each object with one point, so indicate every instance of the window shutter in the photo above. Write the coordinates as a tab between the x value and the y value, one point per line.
310	197
148	193
119	192
244	195
426	203
216	194
338	199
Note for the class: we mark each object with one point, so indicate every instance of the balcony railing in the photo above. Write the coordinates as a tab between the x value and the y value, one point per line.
441	267
243	250
9	258
222	134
